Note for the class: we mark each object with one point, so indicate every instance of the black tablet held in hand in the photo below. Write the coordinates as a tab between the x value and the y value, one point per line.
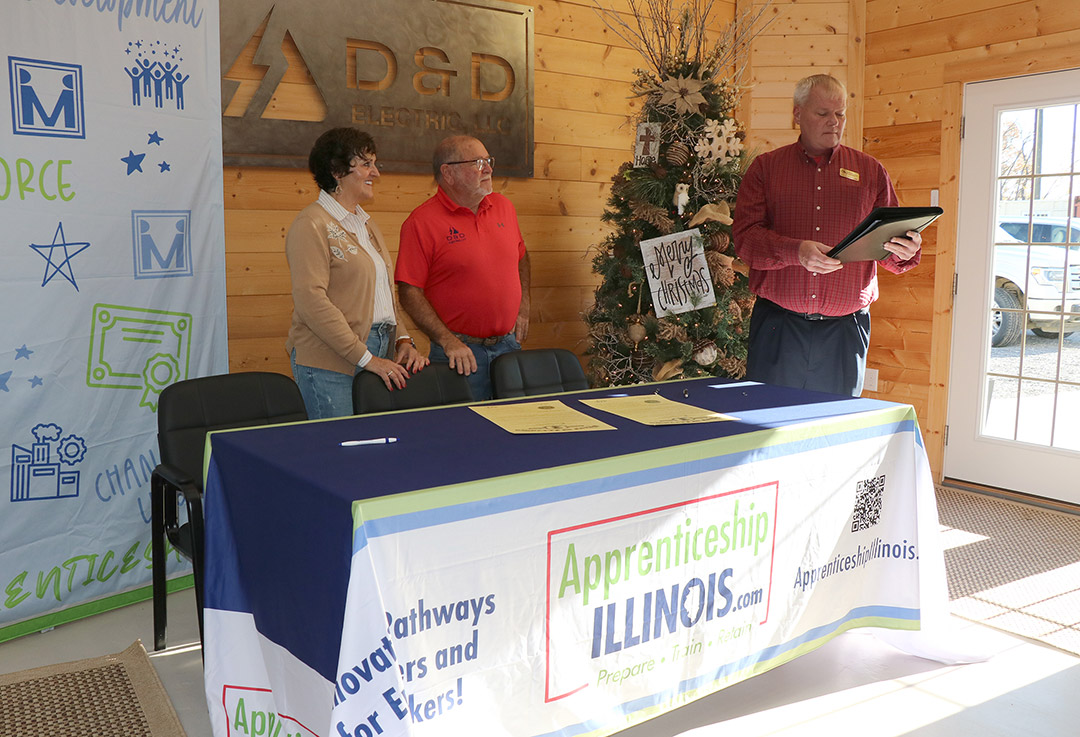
866	241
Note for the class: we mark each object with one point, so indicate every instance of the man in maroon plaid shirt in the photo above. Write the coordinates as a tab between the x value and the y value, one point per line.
810	327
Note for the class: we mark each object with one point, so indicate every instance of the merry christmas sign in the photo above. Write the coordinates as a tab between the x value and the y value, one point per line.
678	273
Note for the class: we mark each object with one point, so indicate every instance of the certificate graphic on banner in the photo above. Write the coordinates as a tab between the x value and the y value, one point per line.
113	269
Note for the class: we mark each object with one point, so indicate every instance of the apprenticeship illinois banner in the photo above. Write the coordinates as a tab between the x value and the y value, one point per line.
584	600
111	282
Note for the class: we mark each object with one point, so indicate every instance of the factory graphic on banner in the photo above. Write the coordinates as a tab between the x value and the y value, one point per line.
45	470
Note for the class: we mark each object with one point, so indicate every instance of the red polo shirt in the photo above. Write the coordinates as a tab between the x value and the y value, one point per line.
788	196
466	263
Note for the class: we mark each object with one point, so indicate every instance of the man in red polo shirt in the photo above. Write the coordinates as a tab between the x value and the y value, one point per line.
462	269
810	327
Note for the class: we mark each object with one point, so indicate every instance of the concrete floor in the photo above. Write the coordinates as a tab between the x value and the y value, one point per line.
855	685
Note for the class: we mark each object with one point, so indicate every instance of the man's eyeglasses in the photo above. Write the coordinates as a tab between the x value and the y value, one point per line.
478	163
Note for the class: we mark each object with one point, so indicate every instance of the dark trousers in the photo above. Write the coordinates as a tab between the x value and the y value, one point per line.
822	355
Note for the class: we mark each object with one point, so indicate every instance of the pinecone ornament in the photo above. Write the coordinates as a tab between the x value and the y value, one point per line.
719	241
733	367
670	330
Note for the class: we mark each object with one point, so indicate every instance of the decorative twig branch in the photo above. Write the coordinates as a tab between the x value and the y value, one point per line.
671	34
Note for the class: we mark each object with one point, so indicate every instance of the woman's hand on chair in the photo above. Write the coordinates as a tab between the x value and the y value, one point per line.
409	357
393	374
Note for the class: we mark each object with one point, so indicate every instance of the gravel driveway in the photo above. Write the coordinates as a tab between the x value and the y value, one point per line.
1040	361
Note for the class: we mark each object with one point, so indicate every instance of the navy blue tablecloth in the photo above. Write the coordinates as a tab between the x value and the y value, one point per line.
279	500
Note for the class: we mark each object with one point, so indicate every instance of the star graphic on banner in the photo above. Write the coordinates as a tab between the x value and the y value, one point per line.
23	352
35	382
3	380
155	138
64	267
133	161
164	166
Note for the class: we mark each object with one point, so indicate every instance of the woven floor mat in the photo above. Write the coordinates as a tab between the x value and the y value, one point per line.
1012	566
111	696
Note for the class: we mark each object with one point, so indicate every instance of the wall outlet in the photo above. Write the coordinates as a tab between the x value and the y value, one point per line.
870	380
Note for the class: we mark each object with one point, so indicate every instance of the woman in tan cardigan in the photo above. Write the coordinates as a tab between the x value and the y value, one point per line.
344	318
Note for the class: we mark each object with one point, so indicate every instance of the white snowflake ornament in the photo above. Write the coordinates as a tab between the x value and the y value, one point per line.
719	142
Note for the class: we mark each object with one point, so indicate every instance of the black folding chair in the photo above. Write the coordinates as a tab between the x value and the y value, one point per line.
187	410
433	385
536	371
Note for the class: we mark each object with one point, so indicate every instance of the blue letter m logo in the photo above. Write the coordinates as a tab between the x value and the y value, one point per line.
46	98
162	243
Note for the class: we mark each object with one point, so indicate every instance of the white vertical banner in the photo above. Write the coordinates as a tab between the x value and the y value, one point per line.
112	282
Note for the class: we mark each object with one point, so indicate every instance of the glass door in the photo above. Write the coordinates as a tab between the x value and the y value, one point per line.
1014	391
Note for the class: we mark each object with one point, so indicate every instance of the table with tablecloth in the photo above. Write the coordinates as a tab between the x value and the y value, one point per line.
462	579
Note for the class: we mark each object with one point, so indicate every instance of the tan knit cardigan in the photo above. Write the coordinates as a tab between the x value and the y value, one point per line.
333	290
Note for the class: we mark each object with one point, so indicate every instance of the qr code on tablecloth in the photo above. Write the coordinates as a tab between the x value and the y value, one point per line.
867	503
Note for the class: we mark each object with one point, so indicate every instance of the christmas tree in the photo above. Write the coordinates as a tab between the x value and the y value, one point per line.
674	301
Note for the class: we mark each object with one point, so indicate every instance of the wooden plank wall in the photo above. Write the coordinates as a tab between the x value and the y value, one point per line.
919	53
905	107
582	109
802	38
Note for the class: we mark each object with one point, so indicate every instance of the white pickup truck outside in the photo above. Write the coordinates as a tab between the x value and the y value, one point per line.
1030	288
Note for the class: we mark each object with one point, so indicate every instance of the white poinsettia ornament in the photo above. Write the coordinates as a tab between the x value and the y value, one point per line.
682	92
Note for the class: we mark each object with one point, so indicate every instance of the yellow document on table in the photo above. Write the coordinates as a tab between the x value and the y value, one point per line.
539	417
652	409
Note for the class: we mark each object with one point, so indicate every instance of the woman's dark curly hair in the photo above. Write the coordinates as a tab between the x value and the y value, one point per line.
333	152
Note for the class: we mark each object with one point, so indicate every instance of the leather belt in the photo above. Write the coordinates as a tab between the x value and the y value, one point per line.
813	316
480	341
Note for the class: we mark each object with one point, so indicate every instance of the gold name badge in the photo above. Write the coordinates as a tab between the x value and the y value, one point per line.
849	174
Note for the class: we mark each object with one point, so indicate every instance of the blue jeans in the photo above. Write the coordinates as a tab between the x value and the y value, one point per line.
480	380
329	393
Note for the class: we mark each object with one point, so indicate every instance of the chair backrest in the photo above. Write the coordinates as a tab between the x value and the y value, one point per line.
435	384
188	409
536	371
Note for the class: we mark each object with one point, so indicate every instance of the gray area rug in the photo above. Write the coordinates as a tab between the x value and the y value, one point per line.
1012	566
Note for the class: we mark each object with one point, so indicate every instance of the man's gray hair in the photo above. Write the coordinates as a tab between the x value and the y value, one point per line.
448	149
827	82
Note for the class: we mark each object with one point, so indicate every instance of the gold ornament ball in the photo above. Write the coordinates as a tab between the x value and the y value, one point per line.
636	332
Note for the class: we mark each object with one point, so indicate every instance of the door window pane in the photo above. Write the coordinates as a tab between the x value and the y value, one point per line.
1032	376
1067	421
